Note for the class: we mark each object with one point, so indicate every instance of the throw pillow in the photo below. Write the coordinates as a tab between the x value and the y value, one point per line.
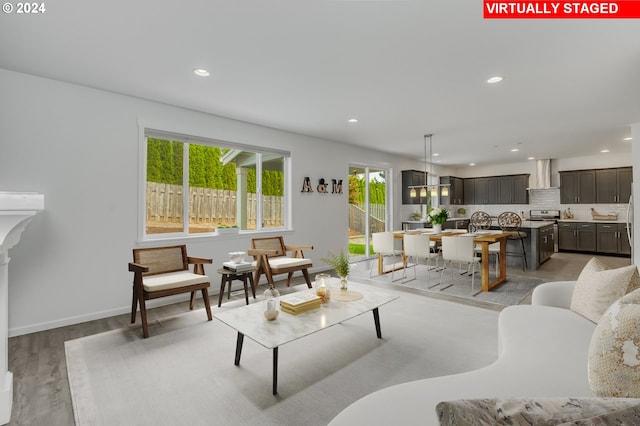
536	411
614	351
598	287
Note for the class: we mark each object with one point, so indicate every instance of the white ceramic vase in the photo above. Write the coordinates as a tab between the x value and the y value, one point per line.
437	228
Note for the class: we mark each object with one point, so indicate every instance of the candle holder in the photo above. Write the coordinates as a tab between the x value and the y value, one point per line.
271	297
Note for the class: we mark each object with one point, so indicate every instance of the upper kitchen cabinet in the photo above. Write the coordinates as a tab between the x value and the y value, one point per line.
412	178
513	189
470	191
455	188
481	190
613	185
578	187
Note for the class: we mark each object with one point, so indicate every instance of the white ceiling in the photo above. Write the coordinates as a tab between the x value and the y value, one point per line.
403	68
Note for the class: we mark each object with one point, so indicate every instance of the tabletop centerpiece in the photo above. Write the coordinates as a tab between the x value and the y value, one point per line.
437	217
339	262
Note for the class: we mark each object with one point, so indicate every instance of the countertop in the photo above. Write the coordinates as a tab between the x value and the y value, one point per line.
591	221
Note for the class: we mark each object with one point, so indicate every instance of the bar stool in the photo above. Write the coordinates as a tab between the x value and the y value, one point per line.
510	222
480	221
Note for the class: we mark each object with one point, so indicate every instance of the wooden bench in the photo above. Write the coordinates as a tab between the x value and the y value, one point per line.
270	254
164	271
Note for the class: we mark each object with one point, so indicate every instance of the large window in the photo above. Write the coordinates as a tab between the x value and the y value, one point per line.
199	186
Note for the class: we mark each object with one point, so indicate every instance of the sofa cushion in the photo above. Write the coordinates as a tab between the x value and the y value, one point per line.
614	350
538	411
598	287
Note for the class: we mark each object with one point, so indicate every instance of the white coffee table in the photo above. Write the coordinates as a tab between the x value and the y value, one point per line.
250	321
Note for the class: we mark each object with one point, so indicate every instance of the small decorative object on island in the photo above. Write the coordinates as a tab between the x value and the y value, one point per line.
271	297
339	262
322	288
438	217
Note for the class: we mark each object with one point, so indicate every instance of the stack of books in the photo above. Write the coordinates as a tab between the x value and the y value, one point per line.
238	267
299	303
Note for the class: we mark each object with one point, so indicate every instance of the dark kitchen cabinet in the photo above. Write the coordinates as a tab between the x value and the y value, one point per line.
567	236
412	178
469	191
513	189
586	236
613	185
455	190
578	187
577	236
545	244
486	190
612	238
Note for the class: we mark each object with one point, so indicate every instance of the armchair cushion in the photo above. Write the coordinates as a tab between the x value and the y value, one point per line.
598	287
172	280
287	262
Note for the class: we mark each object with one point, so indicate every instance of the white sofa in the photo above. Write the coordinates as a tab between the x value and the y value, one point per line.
543	351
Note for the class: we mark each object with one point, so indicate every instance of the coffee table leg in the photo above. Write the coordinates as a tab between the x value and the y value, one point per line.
239	348
275	371
376	320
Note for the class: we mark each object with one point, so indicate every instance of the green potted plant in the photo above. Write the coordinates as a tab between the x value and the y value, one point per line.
339	262
223	229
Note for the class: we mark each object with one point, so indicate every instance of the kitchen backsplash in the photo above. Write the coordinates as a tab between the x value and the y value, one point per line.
539	199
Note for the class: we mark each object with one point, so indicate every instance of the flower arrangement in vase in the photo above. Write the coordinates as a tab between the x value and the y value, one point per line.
339	262
438	217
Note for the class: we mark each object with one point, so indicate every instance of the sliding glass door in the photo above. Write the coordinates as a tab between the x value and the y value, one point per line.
368	208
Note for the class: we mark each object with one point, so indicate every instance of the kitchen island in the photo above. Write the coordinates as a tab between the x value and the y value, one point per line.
538	243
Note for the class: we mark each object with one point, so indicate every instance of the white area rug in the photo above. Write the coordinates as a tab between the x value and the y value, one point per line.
184	373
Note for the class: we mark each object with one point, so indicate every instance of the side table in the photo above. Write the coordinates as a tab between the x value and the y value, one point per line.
228	276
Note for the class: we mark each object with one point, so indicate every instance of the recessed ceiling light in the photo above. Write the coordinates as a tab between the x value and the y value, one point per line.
515	150
627	139
201	72
472	164
496	79
604	151
435	154
353	120
531	158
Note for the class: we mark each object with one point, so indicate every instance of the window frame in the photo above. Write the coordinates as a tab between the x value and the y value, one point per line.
187	139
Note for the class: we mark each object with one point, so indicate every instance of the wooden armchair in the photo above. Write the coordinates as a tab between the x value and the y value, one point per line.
164	271
270	254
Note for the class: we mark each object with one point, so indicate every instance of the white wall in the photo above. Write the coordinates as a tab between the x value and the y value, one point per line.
79	147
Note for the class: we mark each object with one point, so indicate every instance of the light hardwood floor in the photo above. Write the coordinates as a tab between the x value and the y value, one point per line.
37	360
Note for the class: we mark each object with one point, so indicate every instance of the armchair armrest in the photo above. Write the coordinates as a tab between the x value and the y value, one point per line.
297	249
138	268
198	260
556	293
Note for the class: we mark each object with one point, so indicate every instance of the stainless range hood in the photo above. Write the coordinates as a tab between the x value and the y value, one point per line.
543	175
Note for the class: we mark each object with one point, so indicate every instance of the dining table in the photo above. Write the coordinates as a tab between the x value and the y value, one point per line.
482	237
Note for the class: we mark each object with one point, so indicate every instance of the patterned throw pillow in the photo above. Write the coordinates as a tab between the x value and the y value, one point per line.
539	411
614	351
598	287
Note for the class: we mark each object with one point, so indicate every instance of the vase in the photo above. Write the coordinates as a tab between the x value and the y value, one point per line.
437	228
343	283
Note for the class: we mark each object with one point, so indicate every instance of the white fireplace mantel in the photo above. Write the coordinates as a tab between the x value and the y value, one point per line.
16	211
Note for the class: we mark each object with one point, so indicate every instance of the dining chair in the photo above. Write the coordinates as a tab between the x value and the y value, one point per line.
384	245
459	249
510	222
416	247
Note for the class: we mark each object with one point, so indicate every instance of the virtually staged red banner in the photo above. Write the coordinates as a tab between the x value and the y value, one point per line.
622	9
